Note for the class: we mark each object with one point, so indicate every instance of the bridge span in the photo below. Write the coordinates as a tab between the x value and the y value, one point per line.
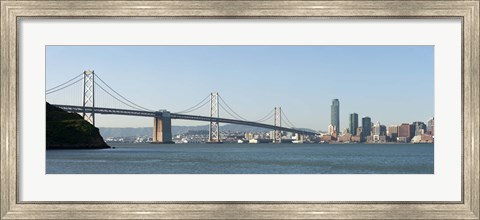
162	120
162	125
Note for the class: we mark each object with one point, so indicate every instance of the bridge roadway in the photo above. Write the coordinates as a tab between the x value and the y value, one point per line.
113	111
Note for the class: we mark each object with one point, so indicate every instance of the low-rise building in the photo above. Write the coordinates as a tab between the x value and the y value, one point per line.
326	138
356	138
422	138
345	138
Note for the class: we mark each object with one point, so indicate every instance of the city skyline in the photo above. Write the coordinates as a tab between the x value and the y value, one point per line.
293	77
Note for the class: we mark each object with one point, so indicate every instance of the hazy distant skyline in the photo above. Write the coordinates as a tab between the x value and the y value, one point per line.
390	84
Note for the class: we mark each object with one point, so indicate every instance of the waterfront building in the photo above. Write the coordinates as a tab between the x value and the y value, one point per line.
405	132
376	128
249	136
402	139
353	123
378	133
383	130
331	129
431	126
334	134
420	127
422	138
376	139
356	138
345	138
366	126
392	132
359	131
335	115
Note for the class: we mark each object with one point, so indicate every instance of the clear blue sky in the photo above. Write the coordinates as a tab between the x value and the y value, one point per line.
391	84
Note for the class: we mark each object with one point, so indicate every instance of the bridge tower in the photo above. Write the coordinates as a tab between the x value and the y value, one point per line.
213	131
277	138
89	96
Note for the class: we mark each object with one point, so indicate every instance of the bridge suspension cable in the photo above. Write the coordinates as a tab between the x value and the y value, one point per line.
50	90
195	107
119	99
132	104
287	121
266	117
290	124
230	113
221	99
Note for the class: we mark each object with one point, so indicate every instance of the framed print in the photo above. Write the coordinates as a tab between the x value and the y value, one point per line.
244	109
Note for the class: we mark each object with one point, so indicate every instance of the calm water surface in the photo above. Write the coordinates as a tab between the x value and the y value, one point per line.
245	159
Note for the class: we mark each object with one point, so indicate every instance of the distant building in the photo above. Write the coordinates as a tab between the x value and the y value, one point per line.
335	115
326	138
359	131
420	127
392	132
431	126
331	129
422	138
375	128
345	138
366	126
249	136
378	133
345	131
353	123
356	138
334	135
376	139
402	139
405	132
383	130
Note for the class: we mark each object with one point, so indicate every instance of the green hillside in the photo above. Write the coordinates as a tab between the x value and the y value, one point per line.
69	130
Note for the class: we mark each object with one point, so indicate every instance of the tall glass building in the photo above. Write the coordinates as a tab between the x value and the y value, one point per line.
335	115
353	123
366	126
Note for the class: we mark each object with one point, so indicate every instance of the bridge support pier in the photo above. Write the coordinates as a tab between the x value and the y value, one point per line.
162	128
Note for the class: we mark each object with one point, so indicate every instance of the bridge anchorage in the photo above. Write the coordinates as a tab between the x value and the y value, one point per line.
162	119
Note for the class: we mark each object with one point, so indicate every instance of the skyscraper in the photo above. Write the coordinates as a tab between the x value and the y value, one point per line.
431	125
335	115
366	126
353	123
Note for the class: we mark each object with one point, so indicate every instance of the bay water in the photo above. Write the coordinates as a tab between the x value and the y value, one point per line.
285	158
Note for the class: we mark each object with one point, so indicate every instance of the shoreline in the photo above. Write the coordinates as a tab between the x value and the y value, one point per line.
77	148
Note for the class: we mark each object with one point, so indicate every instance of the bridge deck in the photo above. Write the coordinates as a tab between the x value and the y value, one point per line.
112	111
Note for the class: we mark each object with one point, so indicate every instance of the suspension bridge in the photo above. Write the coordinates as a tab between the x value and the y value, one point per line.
110	102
